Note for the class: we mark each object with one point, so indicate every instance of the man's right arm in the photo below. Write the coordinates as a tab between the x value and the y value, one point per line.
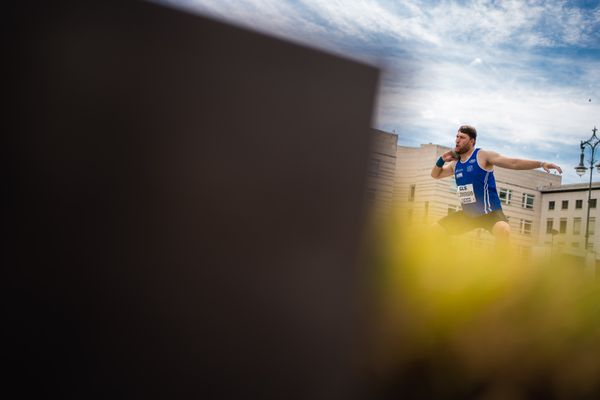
441	169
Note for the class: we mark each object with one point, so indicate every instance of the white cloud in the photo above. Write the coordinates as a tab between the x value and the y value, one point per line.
475	62
361	18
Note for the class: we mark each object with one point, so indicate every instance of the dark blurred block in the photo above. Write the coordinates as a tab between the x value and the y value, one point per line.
185	207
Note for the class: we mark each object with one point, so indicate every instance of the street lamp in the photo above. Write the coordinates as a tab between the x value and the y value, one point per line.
580	169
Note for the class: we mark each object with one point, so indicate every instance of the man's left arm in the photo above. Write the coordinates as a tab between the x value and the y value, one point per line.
493	158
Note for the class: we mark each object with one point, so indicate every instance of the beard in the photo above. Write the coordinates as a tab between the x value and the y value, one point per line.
462	150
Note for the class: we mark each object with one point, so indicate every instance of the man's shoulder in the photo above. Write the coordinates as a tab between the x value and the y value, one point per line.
483	159
484	153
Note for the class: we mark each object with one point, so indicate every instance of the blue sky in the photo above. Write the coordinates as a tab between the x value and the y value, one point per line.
522	72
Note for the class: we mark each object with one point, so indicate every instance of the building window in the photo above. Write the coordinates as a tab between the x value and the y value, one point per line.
575	244
527	200
590	246
564	205
525	227
411	194
563	226
592	203
578	204
505	195
576	226
524	251
549	225
551	205
374	168
592	227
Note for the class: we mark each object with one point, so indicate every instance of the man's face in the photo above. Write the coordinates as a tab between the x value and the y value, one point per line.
463	142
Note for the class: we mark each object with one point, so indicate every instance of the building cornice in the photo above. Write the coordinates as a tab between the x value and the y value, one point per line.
384	132
574	187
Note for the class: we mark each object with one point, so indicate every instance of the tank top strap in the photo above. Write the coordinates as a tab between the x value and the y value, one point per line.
472	155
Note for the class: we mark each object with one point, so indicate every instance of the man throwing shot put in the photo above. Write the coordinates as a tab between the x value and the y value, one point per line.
473	169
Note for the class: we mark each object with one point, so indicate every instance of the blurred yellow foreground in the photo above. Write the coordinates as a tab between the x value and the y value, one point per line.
462	322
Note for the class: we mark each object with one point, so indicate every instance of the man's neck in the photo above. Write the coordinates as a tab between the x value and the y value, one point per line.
465	156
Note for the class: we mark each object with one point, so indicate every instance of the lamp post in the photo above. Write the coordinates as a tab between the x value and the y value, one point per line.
592	142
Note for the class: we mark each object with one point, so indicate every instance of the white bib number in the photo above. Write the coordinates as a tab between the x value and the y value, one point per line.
466	194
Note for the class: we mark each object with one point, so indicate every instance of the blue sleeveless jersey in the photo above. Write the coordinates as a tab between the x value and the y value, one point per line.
476	187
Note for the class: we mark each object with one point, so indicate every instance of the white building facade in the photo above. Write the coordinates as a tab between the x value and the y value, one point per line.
381	171
564	217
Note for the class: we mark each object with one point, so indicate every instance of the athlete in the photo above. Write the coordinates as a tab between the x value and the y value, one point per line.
473	169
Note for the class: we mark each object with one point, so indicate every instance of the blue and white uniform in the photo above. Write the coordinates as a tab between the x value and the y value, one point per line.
476	187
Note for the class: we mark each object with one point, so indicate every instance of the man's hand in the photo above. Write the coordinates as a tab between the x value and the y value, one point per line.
548	166
442	171
450	156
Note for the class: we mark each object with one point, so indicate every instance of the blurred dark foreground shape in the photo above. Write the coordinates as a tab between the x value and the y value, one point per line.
186	207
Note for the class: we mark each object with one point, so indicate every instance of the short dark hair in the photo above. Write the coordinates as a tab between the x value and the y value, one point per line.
469	130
